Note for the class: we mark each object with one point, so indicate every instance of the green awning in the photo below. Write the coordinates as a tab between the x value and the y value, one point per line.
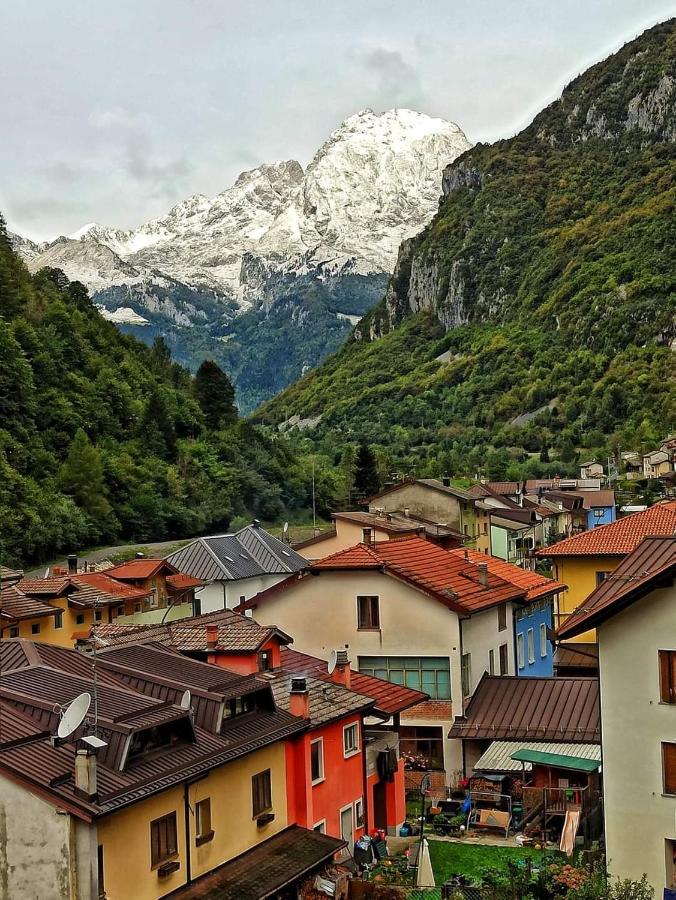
557	760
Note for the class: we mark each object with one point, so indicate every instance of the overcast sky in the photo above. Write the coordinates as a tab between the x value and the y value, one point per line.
112	112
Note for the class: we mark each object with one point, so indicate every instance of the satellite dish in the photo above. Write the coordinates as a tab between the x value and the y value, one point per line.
73	715
333	661
185	700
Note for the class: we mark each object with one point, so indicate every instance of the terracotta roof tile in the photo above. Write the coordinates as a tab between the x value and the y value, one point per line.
430	709
140	569
653	558
618	538
535	585
15	605
181	581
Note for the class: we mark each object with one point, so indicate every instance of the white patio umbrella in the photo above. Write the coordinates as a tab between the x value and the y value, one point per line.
424	876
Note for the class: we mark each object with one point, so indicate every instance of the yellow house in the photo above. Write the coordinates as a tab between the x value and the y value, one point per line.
585	560
181	775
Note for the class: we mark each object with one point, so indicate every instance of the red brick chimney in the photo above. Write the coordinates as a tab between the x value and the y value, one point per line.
342	674
212	637
299	698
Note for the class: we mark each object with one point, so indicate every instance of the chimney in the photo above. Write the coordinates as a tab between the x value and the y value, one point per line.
72	563
212	637
367	535
256	523
85	774
483	574
342	674
406	511
446	481
299	698
139	555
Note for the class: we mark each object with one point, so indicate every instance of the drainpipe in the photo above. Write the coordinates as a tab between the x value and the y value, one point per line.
186	814
364	771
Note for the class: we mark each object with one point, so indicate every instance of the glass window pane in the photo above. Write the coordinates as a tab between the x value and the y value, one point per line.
396	676
412	662
413	680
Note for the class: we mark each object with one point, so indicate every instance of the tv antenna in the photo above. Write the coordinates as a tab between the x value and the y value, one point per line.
74	715
333	661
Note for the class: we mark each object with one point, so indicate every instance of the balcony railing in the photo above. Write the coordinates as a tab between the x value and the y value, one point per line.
556	800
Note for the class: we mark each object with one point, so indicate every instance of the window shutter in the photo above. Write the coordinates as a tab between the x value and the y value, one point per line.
669	763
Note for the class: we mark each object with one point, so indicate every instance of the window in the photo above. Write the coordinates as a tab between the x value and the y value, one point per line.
368	612
491	662
14	631
422	745
359	813
531	646
137	607
163	841
351	739
504	660
261	793
601	577
502	617
98	615
667	659
466	672
669	768
544	648
35	628
79	619
237	707
203	831
242	598
320	827
431	674
265	661
520	660
99	861
317	761
58	619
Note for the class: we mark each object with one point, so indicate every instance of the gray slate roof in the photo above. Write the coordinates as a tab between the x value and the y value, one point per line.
247	553
328	701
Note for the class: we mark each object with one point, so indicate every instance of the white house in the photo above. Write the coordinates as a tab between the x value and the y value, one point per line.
410	612
235	567
634	612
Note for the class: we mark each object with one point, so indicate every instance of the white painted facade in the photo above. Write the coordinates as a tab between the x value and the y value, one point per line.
640	819
227	594
481	634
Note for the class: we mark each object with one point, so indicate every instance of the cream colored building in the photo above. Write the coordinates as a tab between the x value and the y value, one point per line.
634	611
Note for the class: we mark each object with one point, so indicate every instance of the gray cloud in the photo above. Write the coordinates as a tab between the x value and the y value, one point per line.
390	77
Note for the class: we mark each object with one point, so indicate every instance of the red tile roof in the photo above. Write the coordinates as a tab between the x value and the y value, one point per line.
535	585
46	587
618	538
140	569
181	581
15	605
449	577
390	698
652	560
430	709
101	581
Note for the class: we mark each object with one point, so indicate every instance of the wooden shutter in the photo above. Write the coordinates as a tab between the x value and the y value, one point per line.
261	793
667	676
163	839
669	765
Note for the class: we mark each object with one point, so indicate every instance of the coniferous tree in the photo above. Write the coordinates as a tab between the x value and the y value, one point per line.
366	478
216	395
157	432
81	477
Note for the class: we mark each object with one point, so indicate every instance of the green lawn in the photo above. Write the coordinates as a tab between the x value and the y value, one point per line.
457	858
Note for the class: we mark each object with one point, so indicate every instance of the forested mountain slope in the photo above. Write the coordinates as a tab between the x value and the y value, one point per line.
536	312
103	438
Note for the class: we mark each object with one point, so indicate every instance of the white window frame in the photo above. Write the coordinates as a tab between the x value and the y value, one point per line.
353	750
520	652
543	641
530	643
320	826
359	814
321	761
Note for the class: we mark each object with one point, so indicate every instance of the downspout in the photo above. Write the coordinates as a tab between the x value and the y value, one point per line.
186	813
364	771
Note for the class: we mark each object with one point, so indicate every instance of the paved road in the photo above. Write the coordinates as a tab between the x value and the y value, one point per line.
160	548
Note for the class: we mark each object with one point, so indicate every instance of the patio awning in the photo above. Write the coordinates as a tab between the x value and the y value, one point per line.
557	760
499	757
267	869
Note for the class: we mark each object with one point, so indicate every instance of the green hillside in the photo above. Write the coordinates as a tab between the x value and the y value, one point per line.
103	438
545	286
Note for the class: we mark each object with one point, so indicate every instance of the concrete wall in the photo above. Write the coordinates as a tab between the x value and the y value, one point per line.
347	535
639	817
579	574
39	849
227	594
427	503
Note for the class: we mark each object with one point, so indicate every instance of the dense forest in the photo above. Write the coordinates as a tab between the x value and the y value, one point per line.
103	438
532	321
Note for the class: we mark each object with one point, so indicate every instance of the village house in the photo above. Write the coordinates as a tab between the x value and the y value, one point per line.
235	567
411	613
435	501
591	469
634	613
238	643
178	770
354	527
584	560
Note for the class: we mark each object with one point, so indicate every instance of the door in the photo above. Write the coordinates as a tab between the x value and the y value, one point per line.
346	829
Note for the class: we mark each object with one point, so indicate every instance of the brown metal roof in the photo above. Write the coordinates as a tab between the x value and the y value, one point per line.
532	709
653	561
576	656
266	869
15	605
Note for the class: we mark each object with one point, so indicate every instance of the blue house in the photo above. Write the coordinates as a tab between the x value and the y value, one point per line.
600	507
534	651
